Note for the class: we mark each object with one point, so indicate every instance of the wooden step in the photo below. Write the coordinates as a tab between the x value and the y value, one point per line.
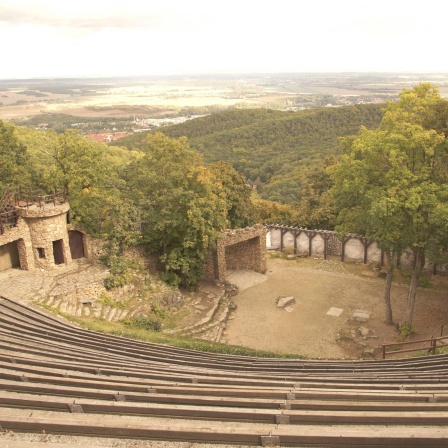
209	432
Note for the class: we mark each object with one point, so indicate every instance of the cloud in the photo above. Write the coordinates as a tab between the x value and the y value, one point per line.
105	20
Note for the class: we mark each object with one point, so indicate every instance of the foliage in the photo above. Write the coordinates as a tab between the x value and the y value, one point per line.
315	208
164	197
391	183
14	160
119	266
159	312
92	175
170	278
235	192
405	329
182	210
107	300
144	323
271	148
269	212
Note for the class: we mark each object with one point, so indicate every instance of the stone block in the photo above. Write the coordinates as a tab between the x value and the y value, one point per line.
283	302
335	311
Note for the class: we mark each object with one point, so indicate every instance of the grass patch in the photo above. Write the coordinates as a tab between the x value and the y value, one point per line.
133	332
405	329
142	323
108	300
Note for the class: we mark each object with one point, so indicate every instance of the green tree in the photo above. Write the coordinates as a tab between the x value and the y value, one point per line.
91	174
269	212
315	209
369	198
391	183
182	211
14	166
236	194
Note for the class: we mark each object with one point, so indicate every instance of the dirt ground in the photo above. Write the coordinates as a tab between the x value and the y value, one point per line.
317	286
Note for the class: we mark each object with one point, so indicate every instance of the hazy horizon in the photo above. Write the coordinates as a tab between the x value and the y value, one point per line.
402	74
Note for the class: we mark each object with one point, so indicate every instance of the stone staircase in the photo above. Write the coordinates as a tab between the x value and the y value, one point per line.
213	324
77	290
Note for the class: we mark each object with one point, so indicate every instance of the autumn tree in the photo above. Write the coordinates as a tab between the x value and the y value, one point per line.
90	172
418	124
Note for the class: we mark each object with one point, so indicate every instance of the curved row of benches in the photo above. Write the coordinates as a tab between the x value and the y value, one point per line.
65	374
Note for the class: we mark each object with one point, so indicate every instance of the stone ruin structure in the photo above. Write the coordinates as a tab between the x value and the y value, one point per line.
34	231
238	249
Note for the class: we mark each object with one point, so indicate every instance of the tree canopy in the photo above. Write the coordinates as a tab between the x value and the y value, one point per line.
391	183
271	148
181	209
14	166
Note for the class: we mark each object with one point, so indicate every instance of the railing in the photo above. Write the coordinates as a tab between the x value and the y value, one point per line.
26	198
434	344
440	330
7	219
20	197
8	216
6	198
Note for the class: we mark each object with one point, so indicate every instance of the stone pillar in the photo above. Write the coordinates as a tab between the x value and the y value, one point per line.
25	249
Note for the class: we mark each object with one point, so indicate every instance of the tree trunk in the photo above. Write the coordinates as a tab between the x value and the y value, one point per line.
412	293
389	277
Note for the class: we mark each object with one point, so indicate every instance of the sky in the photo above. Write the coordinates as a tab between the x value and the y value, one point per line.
95	38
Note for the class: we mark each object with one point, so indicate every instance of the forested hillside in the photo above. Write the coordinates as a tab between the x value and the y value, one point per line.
273	149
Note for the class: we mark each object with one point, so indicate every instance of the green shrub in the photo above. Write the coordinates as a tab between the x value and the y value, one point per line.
405	329
170	278
110	301
159	312
120	271
144	323
424	281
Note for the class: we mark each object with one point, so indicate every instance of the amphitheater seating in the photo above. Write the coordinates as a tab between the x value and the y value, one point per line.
80	382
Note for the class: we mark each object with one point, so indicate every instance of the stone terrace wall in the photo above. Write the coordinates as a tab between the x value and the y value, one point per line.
238	249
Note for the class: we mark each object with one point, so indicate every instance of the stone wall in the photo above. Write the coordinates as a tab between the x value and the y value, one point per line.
21	236
324	243
238	249
242	255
